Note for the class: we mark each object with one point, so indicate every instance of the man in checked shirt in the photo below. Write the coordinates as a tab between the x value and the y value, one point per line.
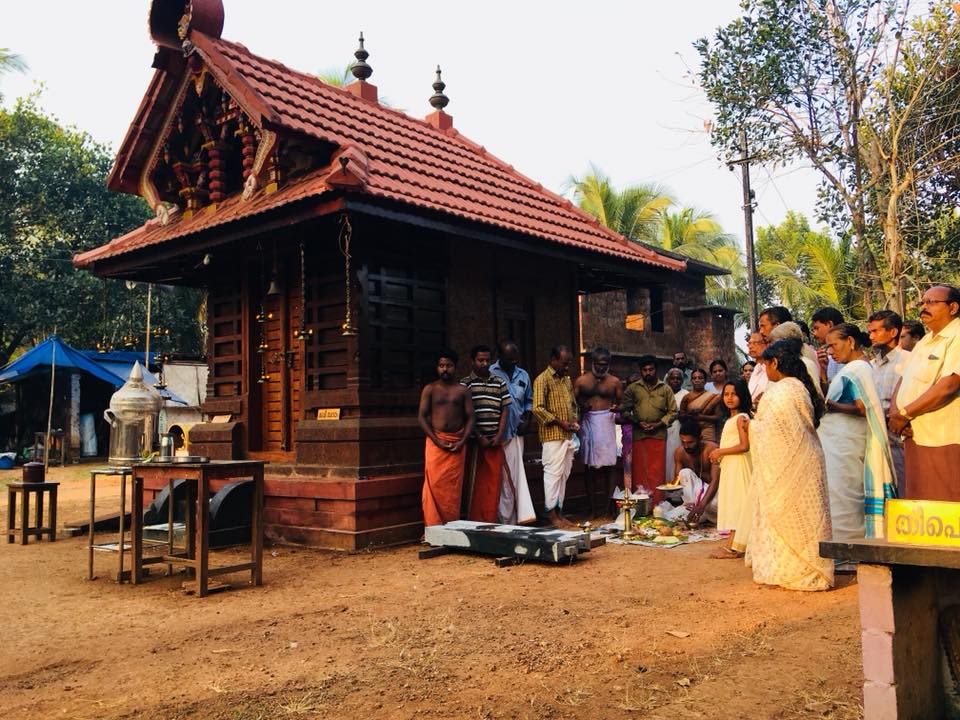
556	412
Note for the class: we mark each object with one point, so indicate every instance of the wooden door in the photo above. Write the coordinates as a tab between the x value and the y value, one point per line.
282	366
515	322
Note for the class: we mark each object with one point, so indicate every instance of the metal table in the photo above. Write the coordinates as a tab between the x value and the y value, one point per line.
197	554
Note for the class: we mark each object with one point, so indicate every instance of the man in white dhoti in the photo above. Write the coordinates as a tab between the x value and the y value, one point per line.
598	394
691	463
516	506
556	414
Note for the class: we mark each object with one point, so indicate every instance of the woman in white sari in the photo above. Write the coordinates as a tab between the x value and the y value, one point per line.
789	488
860	472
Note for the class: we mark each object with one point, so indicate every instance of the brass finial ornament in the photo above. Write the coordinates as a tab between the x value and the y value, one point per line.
360	69
438	100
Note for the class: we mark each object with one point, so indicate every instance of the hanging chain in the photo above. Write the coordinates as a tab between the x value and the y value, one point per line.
346	233
302	333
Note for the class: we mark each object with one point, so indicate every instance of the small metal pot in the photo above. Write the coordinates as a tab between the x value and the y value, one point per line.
167	445
644	507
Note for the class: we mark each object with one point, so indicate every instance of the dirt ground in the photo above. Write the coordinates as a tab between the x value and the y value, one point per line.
384	634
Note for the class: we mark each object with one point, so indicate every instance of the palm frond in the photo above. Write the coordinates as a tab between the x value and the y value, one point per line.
11	62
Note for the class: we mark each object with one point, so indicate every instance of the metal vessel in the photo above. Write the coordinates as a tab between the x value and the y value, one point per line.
133	414
167	445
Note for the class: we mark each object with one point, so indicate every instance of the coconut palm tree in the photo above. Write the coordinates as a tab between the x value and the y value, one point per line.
804	269
699	236
633	212
10	62
336	76
693	233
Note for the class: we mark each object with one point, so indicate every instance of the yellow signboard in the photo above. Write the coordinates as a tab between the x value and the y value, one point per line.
922	522
636	322
328	414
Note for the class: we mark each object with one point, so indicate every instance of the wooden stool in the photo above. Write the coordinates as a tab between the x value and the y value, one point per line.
26	530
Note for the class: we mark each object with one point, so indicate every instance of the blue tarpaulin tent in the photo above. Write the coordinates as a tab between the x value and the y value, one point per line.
113	368
106	371
38	360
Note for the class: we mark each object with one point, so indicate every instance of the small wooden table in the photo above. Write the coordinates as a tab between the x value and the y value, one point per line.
25	490
202	474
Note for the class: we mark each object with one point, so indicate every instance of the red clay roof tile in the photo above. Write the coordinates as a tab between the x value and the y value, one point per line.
409	161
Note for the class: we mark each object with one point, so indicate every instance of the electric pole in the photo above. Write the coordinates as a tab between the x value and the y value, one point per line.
744	163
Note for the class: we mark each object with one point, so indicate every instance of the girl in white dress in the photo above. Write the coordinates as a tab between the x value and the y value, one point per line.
734	511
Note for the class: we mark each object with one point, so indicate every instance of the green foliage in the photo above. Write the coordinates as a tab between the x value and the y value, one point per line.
338	77
867	92
53	204
634	212
805	270
698	235
642	213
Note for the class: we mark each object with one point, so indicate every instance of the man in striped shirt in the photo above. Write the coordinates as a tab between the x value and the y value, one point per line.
491	399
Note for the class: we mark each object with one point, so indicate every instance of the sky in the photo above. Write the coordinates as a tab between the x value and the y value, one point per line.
550	87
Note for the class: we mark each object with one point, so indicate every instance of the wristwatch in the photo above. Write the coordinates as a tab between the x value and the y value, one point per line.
906	415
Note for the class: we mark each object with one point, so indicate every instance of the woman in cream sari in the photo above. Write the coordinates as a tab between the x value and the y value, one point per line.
789	487
860	472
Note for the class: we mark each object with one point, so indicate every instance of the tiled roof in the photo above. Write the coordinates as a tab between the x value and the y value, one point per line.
406	160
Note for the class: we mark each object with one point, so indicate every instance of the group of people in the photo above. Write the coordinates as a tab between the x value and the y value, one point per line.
804	444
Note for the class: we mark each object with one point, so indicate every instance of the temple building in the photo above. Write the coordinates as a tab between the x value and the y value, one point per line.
341	243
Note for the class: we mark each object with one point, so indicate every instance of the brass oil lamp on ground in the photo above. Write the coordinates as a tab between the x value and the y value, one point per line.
627	504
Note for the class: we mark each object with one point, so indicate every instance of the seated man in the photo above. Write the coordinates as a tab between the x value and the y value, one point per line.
691	462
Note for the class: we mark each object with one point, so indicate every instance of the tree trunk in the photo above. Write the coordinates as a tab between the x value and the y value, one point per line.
893	249
868	263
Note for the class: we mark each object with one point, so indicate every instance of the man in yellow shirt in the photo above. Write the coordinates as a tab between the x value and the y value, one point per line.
556	412
925	408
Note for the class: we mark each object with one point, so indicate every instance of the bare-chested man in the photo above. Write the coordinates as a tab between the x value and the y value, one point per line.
691	463
598	395
446	416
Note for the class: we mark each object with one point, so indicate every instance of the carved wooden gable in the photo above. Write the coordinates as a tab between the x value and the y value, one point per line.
211	149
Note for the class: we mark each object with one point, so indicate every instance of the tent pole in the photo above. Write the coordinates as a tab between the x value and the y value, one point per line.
53	375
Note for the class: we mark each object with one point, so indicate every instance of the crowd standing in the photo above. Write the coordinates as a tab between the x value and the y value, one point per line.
804	443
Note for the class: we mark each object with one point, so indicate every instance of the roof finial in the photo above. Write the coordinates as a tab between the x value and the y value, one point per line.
438	99
360	69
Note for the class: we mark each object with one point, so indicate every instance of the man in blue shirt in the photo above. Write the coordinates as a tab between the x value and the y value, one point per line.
516	507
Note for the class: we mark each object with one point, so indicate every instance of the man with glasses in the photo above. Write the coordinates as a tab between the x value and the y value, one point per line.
925	408
756	344
681	363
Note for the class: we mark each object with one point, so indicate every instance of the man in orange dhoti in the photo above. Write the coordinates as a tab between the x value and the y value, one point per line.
491	398
446	417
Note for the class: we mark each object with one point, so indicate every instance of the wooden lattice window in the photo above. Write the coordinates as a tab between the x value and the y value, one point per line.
407	325
226	342
325	352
